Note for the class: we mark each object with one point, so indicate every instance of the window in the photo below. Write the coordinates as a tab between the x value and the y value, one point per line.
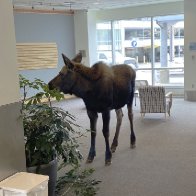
155	44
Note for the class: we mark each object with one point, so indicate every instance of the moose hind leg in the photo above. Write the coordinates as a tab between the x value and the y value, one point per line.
119	116
106	121
132	136
93	122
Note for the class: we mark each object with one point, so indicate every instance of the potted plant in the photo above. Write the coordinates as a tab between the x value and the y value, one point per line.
50	132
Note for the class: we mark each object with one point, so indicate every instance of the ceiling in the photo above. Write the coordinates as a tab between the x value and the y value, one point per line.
82	4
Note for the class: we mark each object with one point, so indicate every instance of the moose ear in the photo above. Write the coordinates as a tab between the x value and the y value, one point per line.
78	58
67	62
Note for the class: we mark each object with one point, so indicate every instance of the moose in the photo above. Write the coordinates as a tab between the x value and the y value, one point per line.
102	88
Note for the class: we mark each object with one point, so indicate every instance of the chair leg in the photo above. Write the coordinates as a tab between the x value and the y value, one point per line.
169	112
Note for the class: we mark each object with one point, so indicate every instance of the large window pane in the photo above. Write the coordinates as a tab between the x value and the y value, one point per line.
154	47
104	42
169	53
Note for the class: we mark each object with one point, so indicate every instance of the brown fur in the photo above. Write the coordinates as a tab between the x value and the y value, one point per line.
102	89
92	73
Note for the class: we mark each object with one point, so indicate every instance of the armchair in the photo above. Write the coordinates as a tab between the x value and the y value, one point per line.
154	100
138	84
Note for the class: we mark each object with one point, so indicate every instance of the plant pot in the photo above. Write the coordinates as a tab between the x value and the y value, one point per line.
49	169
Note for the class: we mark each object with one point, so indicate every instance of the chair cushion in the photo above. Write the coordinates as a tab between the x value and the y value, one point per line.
152	99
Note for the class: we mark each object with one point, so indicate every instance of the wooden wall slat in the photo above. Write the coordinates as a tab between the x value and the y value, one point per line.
36	55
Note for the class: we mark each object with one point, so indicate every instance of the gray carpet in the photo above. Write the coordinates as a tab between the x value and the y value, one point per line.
163	162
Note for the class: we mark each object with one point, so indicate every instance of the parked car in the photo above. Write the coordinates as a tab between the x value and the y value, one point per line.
106	56
132	62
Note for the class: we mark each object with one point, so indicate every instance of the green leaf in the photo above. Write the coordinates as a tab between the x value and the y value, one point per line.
50	131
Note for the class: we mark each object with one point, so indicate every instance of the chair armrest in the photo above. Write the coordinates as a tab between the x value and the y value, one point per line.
169	94
136	92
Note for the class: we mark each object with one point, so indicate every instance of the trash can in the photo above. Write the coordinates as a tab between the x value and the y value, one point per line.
24	184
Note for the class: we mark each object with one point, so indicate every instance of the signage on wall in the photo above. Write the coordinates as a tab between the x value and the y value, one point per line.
134	43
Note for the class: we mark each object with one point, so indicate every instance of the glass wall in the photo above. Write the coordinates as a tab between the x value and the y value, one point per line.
154	47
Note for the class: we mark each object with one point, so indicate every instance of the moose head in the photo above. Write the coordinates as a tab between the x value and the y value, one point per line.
66	78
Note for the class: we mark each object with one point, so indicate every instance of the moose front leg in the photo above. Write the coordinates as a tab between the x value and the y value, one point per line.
93	122
119	116
106	122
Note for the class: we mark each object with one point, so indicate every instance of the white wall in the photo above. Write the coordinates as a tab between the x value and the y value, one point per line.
81	34
12	150
85	35
92	37
190	56
45	28
9	84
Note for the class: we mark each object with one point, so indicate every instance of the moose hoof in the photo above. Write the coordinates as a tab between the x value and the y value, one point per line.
132	146
89	160
113	149
108	162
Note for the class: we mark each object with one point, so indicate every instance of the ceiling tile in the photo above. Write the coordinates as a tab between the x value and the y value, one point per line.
83	4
